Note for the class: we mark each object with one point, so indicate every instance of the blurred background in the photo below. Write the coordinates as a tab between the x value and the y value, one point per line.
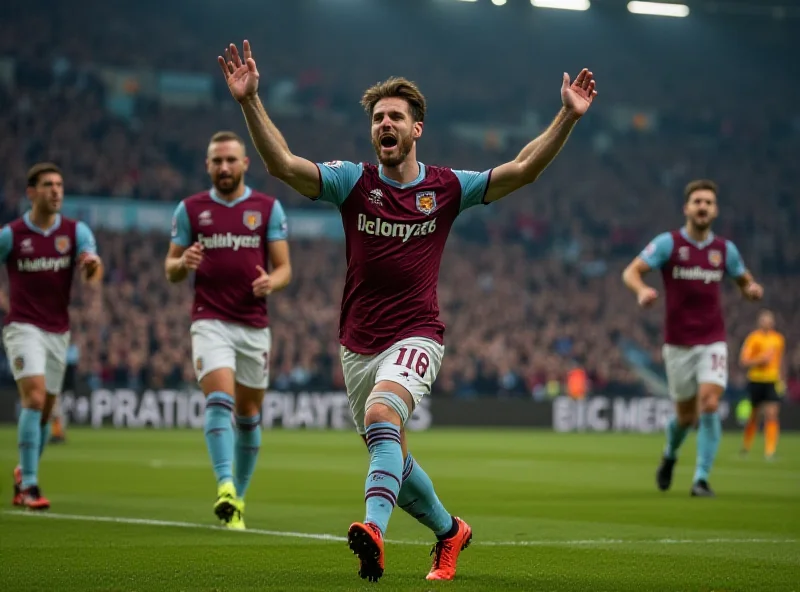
124	97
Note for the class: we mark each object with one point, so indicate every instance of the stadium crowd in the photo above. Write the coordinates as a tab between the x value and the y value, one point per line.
530	288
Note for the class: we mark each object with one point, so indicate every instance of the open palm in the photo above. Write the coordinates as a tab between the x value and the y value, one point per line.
578	96
241	76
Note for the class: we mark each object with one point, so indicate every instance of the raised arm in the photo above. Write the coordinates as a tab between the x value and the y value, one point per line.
242	78
576	98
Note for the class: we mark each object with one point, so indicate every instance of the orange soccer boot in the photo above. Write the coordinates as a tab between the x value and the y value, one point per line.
33	499
445	553
366	542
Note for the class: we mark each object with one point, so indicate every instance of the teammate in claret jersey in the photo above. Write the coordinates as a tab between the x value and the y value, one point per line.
234	239
396	216
41	250
693	262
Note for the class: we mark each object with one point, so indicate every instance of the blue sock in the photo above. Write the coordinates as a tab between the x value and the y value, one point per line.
676	434
418	499
708	436
385	472
29	437
45	438
219	434
248	443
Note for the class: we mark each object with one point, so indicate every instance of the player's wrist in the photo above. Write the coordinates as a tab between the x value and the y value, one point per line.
250	100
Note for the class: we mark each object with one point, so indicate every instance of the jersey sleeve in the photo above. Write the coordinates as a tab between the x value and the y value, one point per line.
6	242
85	239
181	229
733	261
473	187
658	251
278	225
338	179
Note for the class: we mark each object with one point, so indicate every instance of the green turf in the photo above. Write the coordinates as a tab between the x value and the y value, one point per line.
586	506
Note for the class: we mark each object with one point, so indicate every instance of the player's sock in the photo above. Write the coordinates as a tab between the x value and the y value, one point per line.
385	472
708	436
418	498
771	432
676	434
219	434
248	443
749	433
45	438
29	436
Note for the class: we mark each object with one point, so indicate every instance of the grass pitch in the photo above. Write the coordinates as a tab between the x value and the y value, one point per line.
132	512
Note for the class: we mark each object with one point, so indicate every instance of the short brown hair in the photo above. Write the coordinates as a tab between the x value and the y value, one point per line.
40	169
395	87
226	136
697	185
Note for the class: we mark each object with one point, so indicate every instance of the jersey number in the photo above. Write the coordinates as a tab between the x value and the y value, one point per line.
422	360
718	362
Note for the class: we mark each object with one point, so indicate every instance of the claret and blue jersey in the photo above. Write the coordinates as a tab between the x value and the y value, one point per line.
395	236
41	265
692	273
235	236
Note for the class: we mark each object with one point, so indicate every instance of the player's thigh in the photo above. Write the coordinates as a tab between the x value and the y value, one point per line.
712	375
712	364
359	377
413	364
214	356
56	362
681	368
27	355
252	347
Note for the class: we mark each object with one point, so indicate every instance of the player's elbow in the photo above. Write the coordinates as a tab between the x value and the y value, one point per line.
627	274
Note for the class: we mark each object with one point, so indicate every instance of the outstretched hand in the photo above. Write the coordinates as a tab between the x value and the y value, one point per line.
577	96
241	76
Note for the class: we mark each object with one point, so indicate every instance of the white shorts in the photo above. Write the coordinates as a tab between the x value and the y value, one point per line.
689	367
412	363
245	350
34	352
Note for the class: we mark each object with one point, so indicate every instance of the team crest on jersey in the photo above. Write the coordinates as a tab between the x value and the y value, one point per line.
252	219
19	363
63	244
683	253
715	257
426	201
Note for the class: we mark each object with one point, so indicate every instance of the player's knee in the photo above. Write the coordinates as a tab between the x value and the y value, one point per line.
34	398
386	407
381	413
709	404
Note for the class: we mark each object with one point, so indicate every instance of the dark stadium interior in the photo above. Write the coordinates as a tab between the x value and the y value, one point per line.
530	287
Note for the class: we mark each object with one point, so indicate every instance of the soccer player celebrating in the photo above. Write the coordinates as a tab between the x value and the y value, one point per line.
229	237
396	217
41	251
693	262
762	355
